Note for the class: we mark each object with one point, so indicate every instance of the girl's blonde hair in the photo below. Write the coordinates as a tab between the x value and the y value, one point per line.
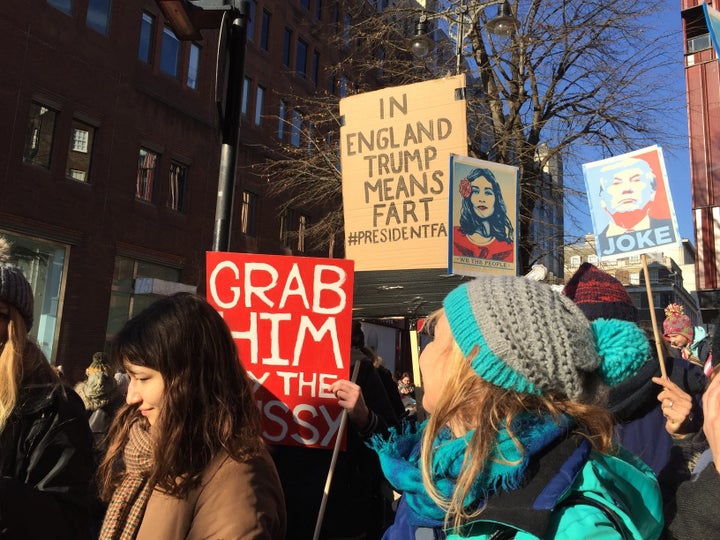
19	358
468	403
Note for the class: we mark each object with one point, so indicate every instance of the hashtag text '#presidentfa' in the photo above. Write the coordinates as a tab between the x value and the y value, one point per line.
397	234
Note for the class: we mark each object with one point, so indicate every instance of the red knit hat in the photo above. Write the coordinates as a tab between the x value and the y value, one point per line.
599	295
676	322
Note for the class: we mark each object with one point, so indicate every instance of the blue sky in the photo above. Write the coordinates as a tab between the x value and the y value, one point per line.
677	156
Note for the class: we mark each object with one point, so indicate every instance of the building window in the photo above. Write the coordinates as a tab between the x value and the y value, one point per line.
169	53
287	40
698	43
318	9
302	230
316	67
343	86
575	260
147	163
81	144
296	128
65	6
193	64
301	58
310	128
265	31
592	259
40	135
281	121
178	178
259	105
245	97
252	7
634	259
147	27
346	29
305	4
286	224
247	213
98	15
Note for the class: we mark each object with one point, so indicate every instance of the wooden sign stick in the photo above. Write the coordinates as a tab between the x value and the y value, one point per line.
333	461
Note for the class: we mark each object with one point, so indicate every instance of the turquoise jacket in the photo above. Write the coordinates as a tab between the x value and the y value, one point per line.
560	502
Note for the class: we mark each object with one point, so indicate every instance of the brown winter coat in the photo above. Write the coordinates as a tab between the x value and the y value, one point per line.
234	501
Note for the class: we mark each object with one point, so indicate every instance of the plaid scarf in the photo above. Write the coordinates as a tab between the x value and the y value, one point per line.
127	506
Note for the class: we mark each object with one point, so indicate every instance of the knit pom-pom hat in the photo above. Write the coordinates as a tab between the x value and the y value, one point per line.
519	334
676	322
600	295
14	288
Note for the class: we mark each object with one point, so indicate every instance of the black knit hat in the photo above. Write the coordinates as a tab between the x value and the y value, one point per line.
14	288
599	295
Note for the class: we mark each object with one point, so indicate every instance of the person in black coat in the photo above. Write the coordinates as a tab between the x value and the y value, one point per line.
46	460
639	419
359	504
693	512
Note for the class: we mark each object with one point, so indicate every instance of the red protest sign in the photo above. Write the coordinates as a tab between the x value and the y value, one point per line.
291	319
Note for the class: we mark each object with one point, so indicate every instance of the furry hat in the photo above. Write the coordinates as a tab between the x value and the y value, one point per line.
100	386
519	334
600	295
676	322
14	288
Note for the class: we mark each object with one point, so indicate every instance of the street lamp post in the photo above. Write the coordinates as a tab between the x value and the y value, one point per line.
501	25
187	18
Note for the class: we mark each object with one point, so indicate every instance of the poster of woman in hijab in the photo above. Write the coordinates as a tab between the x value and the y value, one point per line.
483	215
630	203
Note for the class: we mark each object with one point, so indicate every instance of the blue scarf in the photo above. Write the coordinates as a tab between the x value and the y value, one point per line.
504	469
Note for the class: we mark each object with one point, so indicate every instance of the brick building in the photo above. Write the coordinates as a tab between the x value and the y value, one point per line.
109	178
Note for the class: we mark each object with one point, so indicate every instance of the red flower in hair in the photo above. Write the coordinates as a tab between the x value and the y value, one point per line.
465	188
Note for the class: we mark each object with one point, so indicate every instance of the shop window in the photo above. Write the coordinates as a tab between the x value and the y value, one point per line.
127	299
43	265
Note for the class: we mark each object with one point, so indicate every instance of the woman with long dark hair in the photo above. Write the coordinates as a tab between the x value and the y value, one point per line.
485	229
185	458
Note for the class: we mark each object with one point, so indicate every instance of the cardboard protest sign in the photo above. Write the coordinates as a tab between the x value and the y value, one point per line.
395	146
630	203
291	318
483	217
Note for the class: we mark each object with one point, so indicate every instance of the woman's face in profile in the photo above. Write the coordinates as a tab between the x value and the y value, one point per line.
483	197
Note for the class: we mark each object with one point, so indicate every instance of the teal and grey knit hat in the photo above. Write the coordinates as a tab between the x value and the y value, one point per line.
533	340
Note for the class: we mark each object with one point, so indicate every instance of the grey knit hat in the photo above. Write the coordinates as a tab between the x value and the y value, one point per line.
14	288
524	336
